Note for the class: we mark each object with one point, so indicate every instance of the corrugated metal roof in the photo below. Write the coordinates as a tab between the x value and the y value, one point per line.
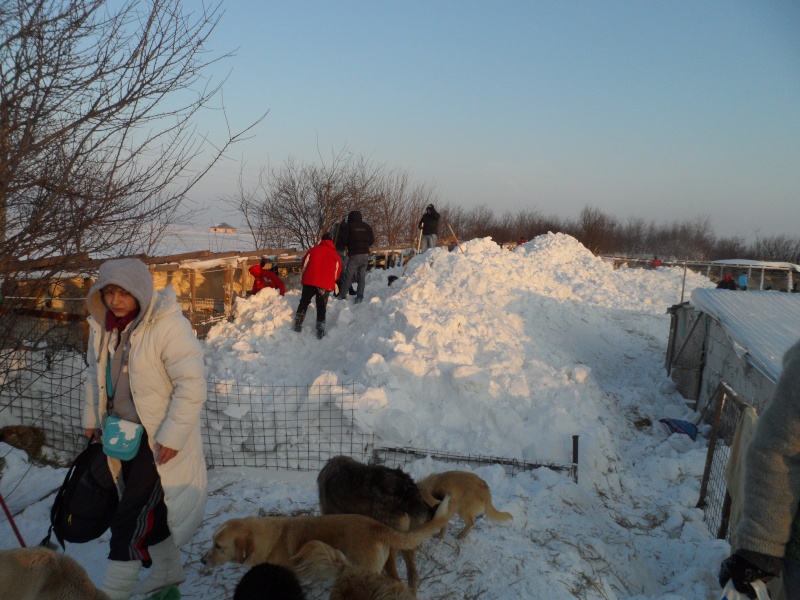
764	325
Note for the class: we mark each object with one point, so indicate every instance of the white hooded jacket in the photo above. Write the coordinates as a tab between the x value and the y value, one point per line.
167	380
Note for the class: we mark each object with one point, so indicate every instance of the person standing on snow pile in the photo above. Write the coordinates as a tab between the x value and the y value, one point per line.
146	368
429	224
321	268
338	236
727	283
266	278
743	282
358	239
768	534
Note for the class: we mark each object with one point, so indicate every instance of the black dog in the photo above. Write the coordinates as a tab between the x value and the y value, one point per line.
390	496
269	582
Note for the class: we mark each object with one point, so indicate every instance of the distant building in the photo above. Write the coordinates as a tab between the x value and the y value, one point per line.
223	228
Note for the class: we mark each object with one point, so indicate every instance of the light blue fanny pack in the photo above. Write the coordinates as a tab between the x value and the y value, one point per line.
121	438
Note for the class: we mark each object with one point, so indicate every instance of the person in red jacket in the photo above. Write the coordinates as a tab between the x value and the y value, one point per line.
321	268
264	278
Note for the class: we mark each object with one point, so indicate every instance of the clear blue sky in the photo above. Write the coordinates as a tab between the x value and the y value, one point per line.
660	110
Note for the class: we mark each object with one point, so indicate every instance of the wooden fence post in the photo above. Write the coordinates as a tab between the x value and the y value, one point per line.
227	290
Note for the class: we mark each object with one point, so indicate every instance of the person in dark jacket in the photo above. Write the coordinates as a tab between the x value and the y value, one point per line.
338	232
358	239
429	224
321	268
727	283
264	278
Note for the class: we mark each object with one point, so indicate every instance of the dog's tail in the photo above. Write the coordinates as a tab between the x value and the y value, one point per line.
411	539
492	514
318	560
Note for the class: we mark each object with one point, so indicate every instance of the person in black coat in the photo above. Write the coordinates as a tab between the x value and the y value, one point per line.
727	283
358	238
429	224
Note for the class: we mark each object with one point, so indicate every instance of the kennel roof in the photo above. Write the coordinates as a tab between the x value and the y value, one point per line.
763	325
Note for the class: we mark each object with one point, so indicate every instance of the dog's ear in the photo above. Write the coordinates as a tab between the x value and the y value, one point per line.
244	546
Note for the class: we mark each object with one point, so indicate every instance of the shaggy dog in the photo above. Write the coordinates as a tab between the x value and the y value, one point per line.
38	573
390	496
318	560
364	541
24	437
469	497
269	582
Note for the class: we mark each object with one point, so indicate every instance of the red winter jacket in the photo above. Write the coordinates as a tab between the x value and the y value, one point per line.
266	278
322	266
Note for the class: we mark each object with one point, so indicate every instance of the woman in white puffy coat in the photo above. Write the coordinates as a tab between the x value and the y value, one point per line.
146	366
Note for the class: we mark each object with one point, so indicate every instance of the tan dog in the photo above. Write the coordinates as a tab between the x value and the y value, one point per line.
40	574
364	541
469	497
318	560
24	437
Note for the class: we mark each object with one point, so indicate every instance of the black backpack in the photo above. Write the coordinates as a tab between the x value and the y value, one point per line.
87	499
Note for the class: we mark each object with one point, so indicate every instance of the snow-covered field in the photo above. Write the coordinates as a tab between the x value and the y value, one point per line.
488	352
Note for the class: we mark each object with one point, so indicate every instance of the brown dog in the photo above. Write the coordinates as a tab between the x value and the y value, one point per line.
469	497
390	496
364	541
40	574
318	560
24	437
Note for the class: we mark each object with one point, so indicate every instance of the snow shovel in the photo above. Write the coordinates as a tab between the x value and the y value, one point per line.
455	237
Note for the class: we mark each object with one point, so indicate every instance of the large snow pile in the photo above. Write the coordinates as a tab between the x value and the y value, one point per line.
488	352
503	354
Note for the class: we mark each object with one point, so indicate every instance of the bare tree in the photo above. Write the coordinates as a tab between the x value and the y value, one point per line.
98	140
595	230
397	206
296	203
778	248
300	202
99	107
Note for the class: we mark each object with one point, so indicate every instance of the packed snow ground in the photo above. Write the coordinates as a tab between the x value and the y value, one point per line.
487	352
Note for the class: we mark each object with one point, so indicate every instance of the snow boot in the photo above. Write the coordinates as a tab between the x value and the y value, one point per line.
167	568
298	321
320	329
120	578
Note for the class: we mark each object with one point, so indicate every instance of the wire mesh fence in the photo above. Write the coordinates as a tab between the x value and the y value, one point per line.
256	425
725	411
282	426
42	367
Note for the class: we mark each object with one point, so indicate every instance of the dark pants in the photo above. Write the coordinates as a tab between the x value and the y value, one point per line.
310	291
141	517
356	272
